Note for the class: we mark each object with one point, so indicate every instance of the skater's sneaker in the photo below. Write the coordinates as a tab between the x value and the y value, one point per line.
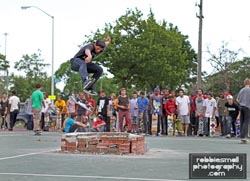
88	83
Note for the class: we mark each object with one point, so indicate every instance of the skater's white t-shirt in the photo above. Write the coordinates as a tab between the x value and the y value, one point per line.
47	102
210	105
183	104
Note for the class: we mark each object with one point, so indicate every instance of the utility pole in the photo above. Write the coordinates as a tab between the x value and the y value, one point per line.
7	72
199	57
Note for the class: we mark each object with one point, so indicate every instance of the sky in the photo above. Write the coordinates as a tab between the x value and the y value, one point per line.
29	30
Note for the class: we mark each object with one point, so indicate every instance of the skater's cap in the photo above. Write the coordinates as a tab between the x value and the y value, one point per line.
100	43
229	97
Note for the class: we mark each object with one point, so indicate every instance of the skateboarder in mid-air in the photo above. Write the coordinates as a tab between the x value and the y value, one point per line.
82	63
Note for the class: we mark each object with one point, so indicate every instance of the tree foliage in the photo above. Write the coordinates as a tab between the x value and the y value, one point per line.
239	70
34	70
4	65
222	62
32	65
145	53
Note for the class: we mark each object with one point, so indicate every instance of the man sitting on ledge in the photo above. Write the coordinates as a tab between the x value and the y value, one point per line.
98	125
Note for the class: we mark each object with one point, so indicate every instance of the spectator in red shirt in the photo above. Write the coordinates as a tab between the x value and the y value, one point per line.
192	125
170	108
98	125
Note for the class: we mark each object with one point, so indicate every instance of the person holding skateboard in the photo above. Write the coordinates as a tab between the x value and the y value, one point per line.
155	104
82	63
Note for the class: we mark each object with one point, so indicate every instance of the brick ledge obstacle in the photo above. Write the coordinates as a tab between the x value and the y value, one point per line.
105	143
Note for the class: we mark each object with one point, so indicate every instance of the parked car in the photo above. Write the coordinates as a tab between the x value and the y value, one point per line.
22	117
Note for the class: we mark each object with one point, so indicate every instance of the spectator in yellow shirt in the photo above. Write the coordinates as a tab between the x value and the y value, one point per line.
61	105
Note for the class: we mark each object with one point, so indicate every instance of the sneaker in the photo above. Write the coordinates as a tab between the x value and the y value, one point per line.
158	134
88	83
228	136
37	132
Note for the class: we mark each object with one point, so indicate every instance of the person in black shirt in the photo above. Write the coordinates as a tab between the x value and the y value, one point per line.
103	109
82	63
233	114
4	105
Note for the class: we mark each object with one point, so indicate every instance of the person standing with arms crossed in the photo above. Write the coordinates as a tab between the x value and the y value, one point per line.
37	104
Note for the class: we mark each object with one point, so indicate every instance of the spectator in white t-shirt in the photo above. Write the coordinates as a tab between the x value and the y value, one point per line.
209	111
183	107
45	110
13	109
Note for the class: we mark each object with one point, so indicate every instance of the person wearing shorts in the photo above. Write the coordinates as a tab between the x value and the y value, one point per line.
210	106
183	107
134	112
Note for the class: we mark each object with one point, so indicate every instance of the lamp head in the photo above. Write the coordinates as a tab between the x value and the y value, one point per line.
25	7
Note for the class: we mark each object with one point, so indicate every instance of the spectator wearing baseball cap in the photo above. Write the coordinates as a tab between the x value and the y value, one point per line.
233	114
156	106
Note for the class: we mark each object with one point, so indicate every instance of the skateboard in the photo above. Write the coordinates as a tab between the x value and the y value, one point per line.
46	122
38	133
212	126
170	123
178	126
201	127
237	127
112	120
154	123
140	117
87	92
87	107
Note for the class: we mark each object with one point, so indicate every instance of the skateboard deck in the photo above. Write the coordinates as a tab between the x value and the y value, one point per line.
178	126
237	127
154	124
88	108
87	92
140	122
212	126
112	120
170	123
201	127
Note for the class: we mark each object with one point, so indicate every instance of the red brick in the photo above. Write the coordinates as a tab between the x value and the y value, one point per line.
63	148
71	148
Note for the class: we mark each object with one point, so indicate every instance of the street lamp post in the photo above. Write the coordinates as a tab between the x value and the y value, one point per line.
7	72
52	62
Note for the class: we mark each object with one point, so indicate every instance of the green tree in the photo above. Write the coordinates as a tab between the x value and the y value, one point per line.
145	53
239	70
4	65
71	78
222	61
34	70
32	65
